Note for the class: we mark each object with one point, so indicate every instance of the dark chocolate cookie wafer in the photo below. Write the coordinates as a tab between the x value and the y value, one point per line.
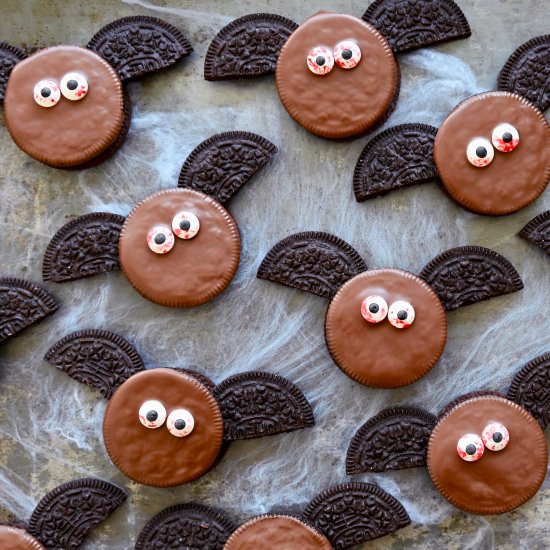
397	157
537	231
313	261
273	405
353	513
222	164
411	24
63	518
493	274
83	247
373	450
159	45
100	359
202	378
9	57
22	304
527	72
186	526
530	388
248	46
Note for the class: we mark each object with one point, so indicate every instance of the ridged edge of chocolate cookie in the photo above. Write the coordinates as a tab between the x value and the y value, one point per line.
537	231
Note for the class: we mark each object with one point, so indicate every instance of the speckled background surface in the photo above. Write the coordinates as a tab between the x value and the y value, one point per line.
50	425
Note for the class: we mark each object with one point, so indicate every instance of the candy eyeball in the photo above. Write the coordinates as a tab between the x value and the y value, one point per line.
470	447
505	138
180	422
46	93
374	309
152	414
495	436
74	86
401	314
185	225
347	54
480	152
320	60
160	239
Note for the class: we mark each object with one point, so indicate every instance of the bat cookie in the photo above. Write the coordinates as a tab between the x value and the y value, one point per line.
492	152
486	453
67	106
165	427
172	236
386	327
64	517
336	74
340	517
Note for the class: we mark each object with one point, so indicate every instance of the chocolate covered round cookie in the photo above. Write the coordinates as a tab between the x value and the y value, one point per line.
14	538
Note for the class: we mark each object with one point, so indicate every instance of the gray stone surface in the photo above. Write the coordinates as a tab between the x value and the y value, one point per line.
50	426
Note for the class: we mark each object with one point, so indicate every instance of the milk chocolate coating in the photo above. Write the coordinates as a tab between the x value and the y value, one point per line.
12	538
344	102
154	456
513	180
500	480
195	270
71	132
381	355
270	532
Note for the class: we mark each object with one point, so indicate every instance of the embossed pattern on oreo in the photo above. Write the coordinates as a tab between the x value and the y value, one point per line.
85	246
537	231
22	304
9	57
397	157
395	438
426	22
530	388
312	261
247	47
353	513
255	404
222	164
470	274
100	359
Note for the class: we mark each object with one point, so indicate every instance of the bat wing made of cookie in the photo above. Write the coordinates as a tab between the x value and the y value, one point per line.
340	517
475	433
64	517
485	137
186	228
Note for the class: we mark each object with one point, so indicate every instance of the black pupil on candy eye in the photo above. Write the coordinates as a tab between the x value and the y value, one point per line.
179	424
72	84
402	315
373	308
481	152
470	449
507	137
346	54
45	92
152	416
159	238
497	437
185	225
320	60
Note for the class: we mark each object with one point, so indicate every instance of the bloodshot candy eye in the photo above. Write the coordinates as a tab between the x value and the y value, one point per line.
480	152
74	86
160	239
46	93
180	422
401	314
374	309
152	414
320	60
347	54
470	447
505	138
495	436
185	225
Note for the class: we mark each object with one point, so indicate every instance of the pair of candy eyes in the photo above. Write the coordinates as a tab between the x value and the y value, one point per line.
495	437
374	309
346	54
180	422
73	86
480	151
160	238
